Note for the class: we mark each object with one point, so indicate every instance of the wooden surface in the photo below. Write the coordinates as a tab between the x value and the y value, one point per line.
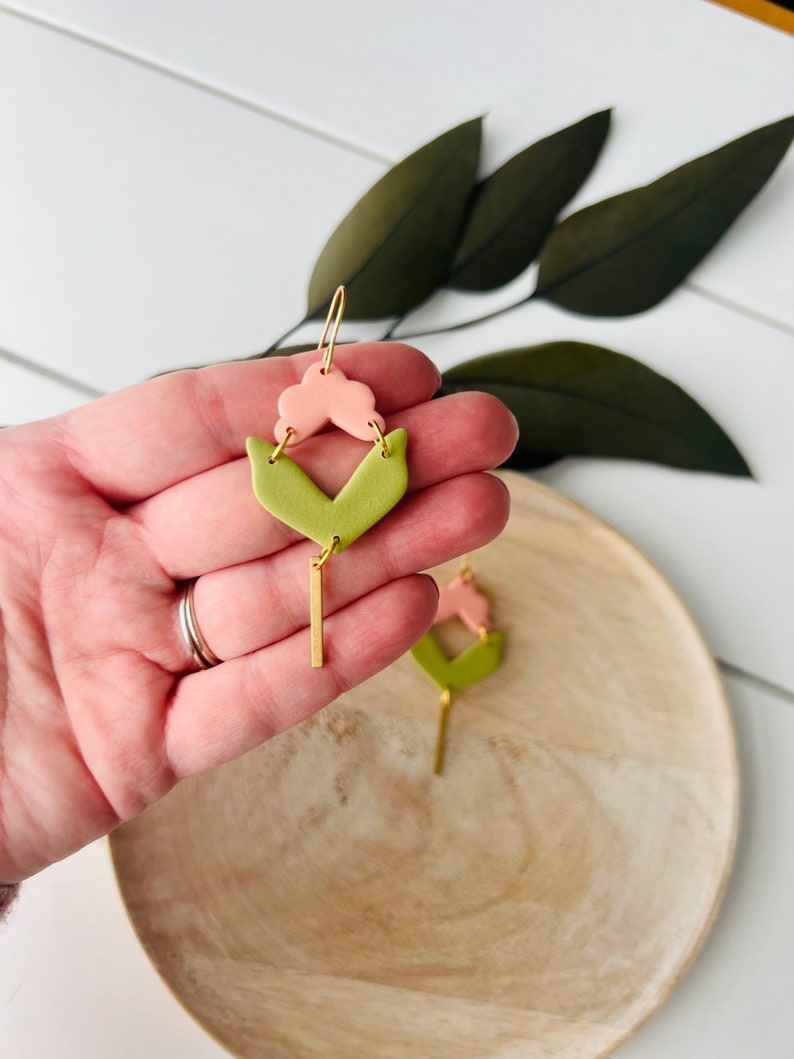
328	896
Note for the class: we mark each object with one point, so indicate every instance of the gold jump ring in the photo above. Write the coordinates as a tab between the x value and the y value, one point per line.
281	445
325	554
380	439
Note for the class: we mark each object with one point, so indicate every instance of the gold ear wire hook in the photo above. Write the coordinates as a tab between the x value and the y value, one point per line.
335	314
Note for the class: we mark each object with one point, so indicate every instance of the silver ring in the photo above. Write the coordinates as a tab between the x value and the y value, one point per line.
201	651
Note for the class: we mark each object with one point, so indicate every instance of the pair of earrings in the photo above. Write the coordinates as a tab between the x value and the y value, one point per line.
325	395
463	600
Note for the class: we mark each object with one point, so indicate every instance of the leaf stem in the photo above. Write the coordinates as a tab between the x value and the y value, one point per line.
274	345
463	323
389	334
399	319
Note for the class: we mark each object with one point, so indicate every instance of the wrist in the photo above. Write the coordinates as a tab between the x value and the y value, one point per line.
8	894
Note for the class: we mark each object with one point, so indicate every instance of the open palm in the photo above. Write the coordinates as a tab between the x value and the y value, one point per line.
106	509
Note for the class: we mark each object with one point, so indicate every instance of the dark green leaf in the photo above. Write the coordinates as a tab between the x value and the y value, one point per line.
625	254
395	247
515	208
574	399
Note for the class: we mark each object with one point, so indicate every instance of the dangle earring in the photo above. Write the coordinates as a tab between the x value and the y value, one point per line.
326	395
460	599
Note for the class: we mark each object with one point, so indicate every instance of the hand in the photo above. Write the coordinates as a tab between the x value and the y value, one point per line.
107	508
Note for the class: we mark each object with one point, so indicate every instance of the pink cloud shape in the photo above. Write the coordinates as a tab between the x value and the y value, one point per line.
321	398
460	599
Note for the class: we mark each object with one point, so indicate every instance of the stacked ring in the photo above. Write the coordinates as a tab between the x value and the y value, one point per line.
201	651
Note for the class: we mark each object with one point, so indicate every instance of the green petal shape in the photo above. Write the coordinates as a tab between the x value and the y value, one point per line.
625	254
396	245
373	489
577	399
472	665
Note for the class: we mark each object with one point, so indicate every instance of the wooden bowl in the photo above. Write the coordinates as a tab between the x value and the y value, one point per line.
327	895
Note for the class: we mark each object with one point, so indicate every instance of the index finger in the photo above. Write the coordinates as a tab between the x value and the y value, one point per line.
137	442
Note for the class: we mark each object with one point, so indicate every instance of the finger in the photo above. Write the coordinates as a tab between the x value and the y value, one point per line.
214	520
134	443
249	606
219	714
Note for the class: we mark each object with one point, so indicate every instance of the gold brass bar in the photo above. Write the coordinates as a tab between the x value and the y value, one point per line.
446	699
316	596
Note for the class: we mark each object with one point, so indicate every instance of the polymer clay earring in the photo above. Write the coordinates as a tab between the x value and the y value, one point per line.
460	599
326	395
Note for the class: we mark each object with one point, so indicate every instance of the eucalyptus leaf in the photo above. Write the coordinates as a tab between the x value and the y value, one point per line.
515	208
576	399
624	254
396	246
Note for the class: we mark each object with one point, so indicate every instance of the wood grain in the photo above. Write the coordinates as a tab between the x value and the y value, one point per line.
327	895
